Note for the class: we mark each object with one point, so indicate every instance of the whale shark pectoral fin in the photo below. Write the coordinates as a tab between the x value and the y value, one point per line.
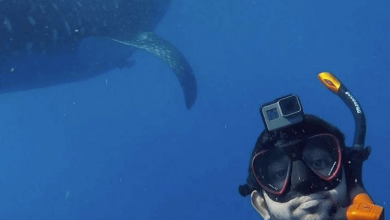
170	54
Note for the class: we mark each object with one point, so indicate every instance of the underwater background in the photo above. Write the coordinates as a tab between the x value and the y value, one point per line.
123	146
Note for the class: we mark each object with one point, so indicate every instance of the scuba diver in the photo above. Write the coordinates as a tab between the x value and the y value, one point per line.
300	167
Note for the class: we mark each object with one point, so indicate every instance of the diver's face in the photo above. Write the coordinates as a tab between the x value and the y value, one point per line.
316	206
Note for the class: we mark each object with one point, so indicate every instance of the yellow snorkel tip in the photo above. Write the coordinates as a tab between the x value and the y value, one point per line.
329	81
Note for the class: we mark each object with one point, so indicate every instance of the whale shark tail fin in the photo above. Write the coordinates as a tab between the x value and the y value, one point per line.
170	54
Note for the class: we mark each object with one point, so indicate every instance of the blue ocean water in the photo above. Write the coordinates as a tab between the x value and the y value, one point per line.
123	146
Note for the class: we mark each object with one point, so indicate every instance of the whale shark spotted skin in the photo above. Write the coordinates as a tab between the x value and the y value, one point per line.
30	29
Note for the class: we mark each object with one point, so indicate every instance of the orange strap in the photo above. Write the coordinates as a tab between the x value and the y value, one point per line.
363	208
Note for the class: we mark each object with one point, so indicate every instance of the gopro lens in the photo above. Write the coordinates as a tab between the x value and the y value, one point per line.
289	105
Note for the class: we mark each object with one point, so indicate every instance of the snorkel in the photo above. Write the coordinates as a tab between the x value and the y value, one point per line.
362	207
334	85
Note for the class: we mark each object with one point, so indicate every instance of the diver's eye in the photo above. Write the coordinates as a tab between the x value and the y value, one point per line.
278	169
318	163
281	174
321	163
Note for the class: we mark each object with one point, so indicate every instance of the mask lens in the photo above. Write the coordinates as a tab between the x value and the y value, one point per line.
272	170
322	153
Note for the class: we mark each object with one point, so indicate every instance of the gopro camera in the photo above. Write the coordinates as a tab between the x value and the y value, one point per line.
282	112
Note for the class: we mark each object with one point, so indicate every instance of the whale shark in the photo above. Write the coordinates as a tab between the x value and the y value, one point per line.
41	41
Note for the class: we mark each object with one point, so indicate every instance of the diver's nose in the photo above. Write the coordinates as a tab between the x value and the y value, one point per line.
301	177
